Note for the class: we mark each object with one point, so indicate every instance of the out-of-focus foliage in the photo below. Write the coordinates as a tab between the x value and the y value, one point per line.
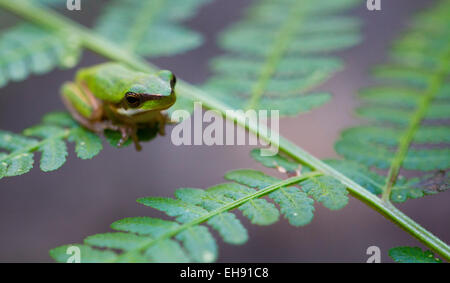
145	239
151	28
409	114
27	49
412	255
409	117
278	53
49	138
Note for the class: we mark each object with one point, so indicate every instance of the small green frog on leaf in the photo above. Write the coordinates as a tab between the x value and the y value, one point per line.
111	96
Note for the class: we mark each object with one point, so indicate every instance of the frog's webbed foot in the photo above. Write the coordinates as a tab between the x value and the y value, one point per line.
125	131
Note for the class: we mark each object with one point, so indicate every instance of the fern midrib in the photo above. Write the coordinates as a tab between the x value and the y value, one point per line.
279	48
225	208
54	21
406	139
142	22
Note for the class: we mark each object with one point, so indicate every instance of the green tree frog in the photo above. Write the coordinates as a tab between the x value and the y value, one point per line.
112	96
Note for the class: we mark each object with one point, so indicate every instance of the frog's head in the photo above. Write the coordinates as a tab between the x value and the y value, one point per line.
151	92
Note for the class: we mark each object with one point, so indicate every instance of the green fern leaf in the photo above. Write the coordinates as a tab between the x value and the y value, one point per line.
184	211
144	226
228	226
275	55
27	49
150	28
199	243
19	164
48	138
87	144
296	206
54	150
409	115
167	251
412	255
277	161
327	190
118	241
87	254
50	2
145	239
258	211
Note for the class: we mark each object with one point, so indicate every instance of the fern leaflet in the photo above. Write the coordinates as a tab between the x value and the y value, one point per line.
412	255
185	239
26	49
149	28
48	138
275	55
409	116
409	128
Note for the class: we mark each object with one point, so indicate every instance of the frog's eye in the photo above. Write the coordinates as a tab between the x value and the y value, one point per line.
173	81
133	99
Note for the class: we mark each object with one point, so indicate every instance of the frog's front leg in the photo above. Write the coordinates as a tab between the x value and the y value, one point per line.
127	132
162	119
85	108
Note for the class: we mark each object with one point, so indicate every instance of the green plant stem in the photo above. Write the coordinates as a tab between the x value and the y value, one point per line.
229	206
47	18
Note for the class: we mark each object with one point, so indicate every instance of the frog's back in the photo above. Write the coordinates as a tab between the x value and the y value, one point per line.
108	81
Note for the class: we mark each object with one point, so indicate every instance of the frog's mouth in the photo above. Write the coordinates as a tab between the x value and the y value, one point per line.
130	112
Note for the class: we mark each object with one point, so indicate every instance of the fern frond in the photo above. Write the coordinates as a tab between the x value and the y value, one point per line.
48	138
150	28
409	128
412	255
188	237
409	115
27	49
275	56
410	121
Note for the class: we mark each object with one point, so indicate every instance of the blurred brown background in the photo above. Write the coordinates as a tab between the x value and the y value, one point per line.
39	211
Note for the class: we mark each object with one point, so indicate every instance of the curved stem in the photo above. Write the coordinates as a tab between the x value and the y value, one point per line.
47	18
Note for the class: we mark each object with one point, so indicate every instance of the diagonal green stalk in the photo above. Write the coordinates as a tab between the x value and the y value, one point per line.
434	85
54	21
229	206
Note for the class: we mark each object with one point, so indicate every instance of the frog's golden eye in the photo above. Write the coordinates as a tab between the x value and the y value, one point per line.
133	99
